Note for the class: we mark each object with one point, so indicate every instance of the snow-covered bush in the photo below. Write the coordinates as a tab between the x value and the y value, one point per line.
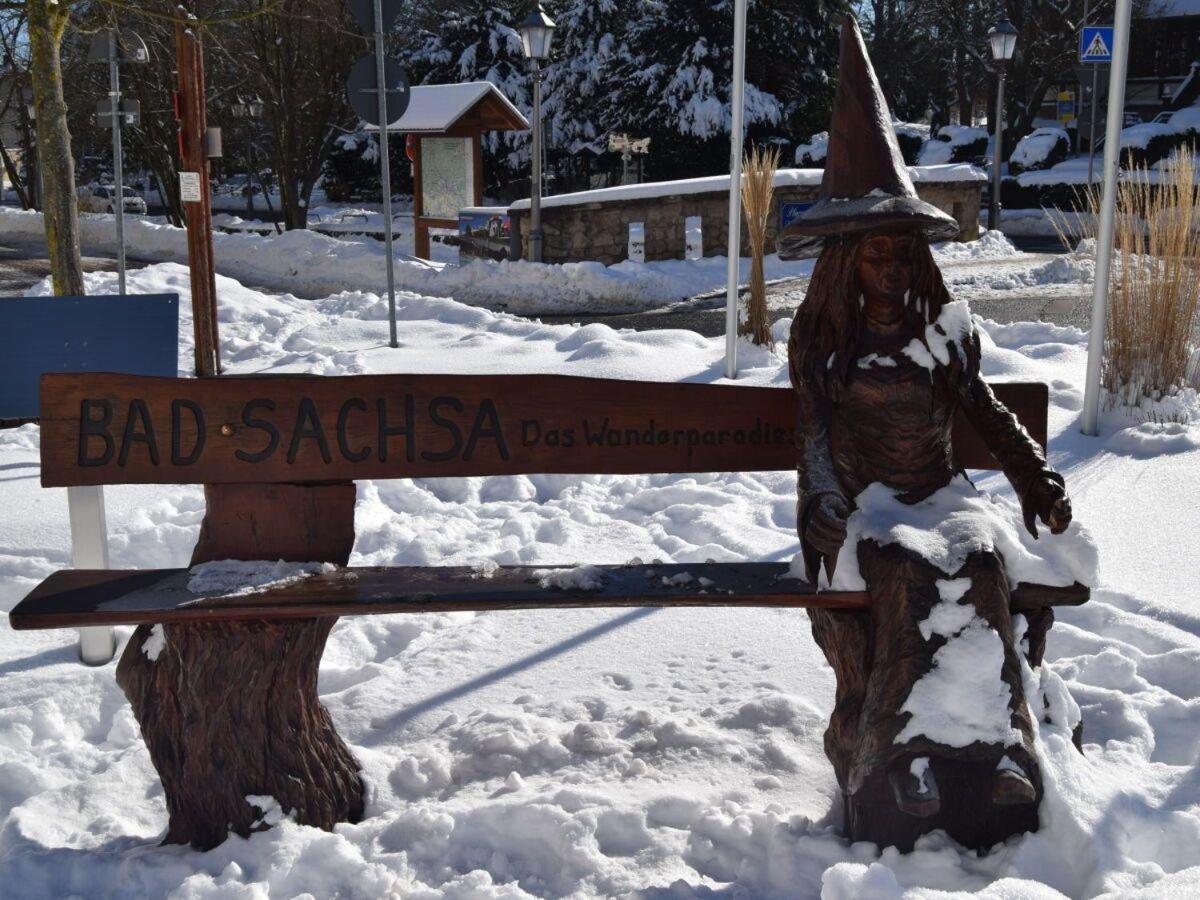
911	136
1186	121
954	143
812	154
1040	149
1147	143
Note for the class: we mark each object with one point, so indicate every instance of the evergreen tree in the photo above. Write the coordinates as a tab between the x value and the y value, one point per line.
477	41
674	83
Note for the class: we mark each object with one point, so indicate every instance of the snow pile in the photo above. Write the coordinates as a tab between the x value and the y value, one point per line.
236	578
318	265
602	753
990	245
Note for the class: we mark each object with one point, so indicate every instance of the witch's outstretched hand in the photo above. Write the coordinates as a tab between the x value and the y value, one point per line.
827	525
1047	500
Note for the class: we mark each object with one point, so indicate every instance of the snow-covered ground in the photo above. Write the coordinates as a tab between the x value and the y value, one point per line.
318	265
590	753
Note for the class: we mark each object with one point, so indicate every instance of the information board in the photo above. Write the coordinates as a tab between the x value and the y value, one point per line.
447	176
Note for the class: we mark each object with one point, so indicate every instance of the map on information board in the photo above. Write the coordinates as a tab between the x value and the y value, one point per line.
446	176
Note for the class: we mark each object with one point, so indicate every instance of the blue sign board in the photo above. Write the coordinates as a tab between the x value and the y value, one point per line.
137	334
789	212
1095	44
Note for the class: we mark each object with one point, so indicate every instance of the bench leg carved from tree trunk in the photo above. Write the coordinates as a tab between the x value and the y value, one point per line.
230	709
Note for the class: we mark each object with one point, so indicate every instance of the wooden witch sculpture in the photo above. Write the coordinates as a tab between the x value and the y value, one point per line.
881	359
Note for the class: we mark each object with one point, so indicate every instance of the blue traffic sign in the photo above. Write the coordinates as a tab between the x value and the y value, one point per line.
1095	44
135	334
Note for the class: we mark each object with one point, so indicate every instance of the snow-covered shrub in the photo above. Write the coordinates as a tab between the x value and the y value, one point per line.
812	154
911	136
1186	121
1155	291
954	143
1040	149
1147	143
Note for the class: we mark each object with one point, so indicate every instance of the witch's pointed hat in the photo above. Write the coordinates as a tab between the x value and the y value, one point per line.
866	184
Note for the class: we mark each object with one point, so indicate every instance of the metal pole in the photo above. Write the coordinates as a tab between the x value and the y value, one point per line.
114	93
1092	128
385	172
535	194
738	104
1108	206
994	203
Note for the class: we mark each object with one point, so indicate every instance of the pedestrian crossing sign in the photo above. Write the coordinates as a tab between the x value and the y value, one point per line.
1095	44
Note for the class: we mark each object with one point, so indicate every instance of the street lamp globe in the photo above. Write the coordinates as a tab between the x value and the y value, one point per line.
1003	38
255	107
238	108
537	33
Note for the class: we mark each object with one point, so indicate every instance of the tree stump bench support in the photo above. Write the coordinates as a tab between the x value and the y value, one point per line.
224	685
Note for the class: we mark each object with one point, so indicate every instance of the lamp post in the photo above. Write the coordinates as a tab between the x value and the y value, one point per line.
249	109
1003	38
537	33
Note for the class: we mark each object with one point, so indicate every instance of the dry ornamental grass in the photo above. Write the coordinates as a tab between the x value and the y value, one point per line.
1154	291
758	189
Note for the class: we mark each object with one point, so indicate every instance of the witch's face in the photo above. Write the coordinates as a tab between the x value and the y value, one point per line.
885	266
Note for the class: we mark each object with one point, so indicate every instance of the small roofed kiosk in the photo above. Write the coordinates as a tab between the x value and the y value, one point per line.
446	123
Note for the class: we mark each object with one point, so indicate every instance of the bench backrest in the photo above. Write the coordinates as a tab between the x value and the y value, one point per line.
102	428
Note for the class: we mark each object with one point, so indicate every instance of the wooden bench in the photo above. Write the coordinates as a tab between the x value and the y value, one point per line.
224	685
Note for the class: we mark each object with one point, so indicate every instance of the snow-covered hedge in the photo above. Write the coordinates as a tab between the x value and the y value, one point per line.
910	135
954	143
1040	149
1147	143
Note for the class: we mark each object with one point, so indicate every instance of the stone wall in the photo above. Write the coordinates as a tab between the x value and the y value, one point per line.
599	230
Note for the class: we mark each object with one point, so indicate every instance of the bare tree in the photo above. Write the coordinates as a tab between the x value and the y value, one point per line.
296	56
46	24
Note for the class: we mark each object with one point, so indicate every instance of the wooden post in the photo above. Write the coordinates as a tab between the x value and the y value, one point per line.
193	157
420	231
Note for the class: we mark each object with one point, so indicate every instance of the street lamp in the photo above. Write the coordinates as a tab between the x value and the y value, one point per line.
537	33
1003	38
249	109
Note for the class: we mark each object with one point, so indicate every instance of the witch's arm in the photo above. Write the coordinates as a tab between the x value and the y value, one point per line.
822	507
1041	490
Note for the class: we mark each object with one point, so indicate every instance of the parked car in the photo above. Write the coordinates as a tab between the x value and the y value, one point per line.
102	199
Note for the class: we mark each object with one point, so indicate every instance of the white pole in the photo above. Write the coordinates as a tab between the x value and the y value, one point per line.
114	94
1108	206
89	550
738	103
385	170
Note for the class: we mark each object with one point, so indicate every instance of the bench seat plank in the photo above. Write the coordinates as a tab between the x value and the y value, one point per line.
79	597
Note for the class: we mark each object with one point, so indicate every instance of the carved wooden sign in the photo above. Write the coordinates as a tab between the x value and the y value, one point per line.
121	429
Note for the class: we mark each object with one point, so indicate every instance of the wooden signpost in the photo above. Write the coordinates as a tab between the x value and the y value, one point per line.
195	191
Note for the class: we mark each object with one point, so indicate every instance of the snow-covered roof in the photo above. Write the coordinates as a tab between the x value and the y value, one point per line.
710	183
437	107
